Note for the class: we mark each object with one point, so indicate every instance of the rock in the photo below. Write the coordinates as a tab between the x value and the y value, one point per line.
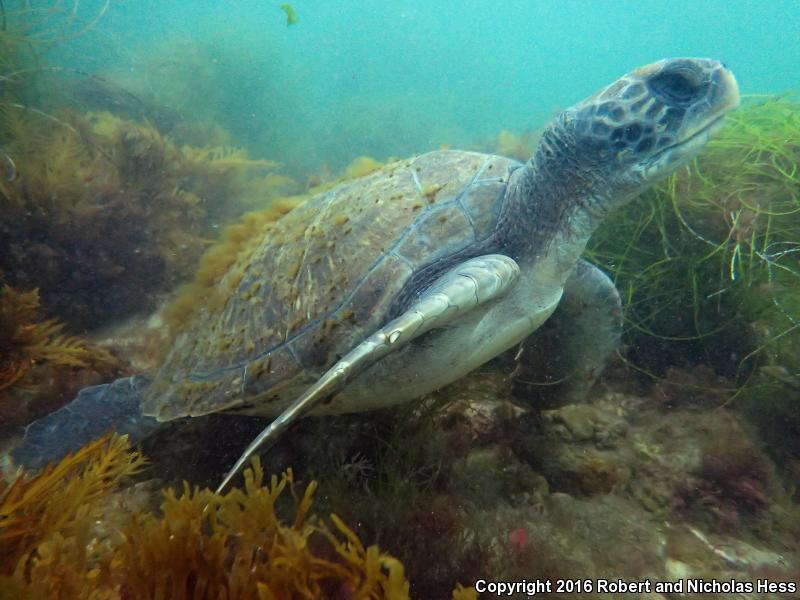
586	422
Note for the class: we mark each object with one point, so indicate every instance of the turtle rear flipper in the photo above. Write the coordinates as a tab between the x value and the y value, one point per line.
95	411
473	283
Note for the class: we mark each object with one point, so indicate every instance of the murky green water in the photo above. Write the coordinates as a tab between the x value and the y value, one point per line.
210	204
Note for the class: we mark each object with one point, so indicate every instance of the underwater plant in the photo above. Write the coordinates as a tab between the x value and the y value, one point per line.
732	481
411	481
104	212
25	340
216	85
59	502
520	147
199	545
35	353
207	546
717	228
117	212
721	236
291	14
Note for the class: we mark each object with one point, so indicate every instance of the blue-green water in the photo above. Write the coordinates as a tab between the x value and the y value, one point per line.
399	77
123	236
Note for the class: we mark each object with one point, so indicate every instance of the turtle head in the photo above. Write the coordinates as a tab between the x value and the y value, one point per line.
640	128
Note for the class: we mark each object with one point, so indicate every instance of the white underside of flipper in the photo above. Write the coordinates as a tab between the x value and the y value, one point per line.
446	354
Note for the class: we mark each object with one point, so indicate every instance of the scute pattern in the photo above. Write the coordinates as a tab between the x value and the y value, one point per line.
322	279
481	202
447	229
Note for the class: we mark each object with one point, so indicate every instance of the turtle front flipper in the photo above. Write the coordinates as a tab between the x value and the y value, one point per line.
473	283
564	358
94	412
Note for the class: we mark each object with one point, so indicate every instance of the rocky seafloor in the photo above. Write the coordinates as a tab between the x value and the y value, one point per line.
643	481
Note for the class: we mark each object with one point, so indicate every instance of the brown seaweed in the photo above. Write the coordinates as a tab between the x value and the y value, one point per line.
30	343
200	545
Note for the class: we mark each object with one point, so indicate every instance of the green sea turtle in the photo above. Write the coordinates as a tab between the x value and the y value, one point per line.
395	284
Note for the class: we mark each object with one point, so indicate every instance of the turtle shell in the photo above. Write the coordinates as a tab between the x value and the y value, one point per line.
322	279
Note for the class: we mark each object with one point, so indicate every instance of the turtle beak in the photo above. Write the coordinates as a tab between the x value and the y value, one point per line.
717	94
724	93
727	88
721	98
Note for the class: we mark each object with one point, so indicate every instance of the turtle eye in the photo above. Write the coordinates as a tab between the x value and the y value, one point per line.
674	87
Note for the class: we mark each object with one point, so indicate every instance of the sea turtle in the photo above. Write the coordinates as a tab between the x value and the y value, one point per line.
395	284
